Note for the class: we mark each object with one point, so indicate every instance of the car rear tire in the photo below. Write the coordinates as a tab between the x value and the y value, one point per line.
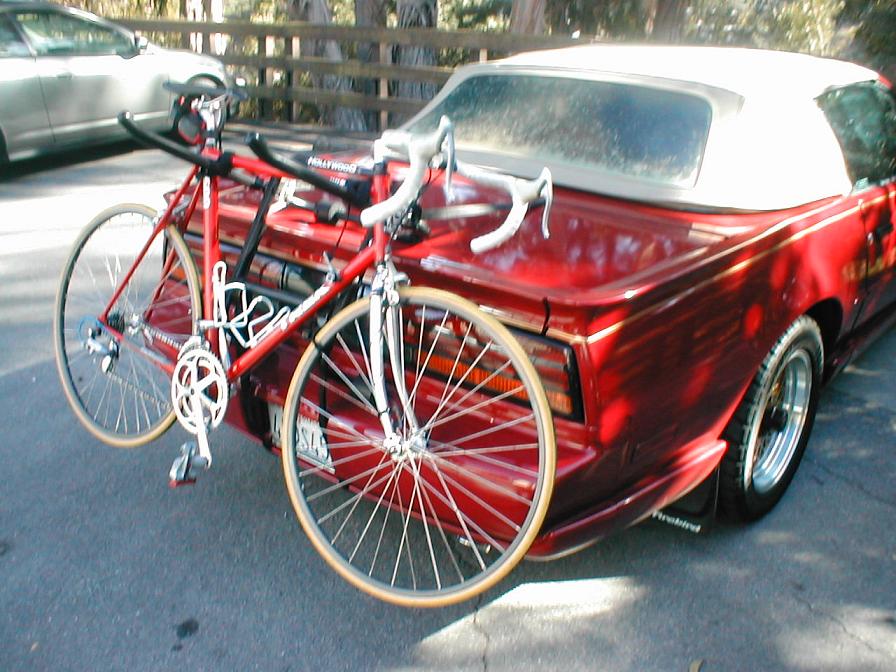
206	80
769	431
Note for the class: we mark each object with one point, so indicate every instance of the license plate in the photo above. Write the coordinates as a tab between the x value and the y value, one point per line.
310	440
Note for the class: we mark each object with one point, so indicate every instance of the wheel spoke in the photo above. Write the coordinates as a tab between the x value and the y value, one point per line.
373	513
349	398
452	450
450	551
351	356
352	433
422	330
476	407
379	543
343	483
357	500
432	556
439	331
445	394
406	518
494	428
462	519
485	505
361	342
349	383
479	456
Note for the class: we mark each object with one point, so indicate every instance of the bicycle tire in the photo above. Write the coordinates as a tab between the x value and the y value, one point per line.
155	314
489	486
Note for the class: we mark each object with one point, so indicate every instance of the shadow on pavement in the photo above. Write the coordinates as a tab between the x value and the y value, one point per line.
19	169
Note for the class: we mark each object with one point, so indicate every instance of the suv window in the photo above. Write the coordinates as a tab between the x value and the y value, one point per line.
863	117
56	34
636	131
11	44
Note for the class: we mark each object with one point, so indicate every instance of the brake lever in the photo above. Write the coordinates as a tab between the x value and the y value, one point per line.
540	187
547	193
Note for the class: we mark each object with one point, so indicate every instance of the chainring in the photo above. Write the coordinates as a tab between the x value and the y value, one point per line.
199	388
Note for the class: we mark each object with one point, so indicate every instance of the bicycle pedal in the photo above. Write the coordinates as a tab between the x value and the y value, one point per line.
186	465
184	481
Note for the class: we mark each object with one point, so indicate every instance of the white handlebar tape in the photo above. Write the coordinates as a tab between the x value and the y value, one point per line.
420	150
523	192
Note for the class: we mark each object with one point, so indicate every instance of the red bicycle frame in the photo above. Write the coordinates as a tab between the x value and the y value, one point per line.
207	190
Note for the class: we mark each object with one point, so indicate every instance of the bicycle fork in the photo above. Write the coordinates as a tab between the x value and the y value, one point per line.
386	312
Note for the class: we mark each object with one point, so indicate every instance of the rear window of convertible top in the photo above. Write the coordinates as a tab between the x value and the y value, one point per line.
626	129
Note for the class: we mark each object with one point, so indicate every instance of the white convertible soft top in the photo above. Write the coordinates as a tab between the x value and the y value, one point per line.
769	145
746	72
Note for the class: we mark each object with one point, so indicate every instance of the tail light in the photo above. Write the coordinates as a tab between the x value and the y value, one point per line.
554	363
556	366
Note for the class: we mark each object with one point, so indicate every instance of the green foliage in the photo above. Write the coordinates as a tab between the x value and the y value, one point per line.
156	9
489	15
796	25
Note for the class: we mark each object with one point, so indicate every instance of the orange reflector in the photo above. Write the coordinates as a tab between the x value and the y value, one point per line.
495	382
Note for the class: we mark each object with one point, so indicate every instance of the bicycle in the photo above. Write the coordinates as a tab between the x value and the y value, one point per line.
418	450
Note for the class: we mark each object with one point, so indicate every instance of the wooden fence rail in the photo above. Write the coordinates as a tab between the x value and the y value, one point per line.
279	78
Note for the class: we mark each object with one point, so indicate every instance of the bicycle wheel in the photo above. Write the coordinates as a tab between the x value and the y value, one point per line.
113	371
450	511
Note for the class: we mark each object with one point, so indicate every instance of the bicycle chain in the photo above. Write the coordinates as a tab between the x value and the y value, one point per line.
157	335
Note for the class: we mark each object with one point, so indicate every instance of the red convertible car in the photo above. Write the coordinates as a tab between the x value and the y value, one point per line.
721	244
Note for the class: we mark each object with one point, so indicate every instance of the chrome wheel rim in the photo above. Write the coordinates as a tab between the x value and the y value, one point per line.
784	412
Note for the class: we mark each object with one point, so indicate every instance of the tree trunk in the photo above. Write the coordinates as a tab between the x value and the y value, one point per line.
316	11
668	21
369	14
215	12
195	12
527	16
416	14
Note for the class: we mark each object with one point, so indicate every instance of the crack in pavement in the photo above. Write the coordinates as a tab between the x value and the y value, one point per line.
831	617
478	626
848	481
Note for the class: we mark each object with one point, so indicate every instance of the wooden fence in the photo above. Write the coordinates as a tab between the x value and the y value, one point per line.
280	79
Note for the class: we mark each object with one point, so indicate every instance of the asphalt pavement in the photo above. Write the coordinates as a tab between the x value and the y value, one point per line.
102	567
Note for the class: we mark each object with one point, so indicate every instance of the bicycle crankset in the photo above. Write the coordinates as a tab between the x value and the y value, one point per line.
199	393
